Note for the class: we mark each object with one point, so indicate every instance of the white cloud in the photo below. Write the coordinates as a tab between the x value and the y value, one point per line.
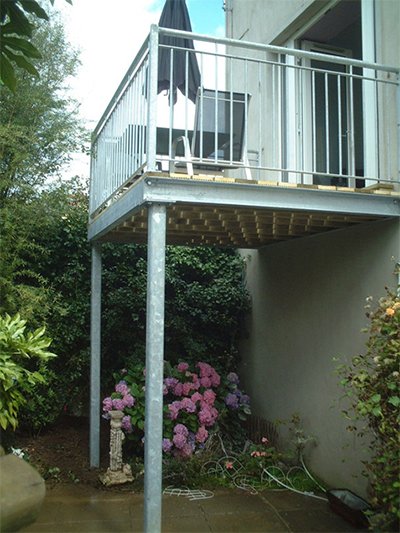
108	34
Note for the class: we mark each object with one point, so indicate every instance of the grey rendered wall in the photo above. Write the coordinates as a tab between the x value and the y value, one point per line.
263	21
307	307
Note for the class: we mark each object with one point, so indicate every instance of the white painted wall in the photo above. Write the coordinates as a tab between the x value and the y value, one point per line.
308	298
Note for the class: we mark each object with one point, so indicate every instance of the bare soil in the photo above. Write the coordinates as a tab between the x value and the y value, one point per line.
61	453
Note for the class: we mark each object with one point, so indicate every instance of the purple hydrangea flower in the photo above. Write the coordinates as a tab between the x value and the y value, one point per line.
245	399
233	378
232	401
166	445
127	424
170	382
180	429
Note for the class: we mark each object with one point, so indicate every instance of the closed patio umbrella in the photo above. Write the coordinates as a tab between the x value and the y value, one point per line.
175	15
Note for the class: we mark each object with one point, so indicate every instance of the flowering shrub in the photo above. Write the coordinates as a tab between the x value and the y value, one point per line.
196	400
372	384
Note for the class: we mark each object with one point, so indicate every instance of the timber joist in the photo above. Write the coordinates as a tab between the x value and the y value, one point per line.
241	228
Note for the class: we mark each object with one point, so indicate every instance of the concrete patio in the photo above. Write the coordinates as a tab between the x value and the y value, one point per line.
79	508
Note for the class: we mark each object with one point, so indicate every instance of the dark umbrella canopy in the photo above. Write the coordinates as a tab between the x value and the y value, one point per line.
175	15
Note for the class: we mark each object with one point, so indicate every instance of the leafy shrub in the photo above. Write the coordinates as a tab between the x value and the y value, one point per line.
372	384
22	365
195	400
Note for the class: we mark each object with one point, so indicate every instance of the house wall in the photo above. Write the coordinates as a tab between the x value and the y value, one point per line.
268	22
308	299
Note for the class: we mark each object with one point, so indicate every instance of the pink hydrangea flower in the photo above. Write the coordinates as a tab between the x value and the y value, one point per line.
186	450
182	367
207	416
122	388
179	440
209	396
197	397
118	404
128	400
178	389
202	434
174	409
186	388
215	379
205	382
188	405
107	404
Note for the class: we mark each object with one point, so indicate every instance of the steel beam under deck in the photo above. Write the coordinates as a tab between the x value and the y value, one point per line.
154	189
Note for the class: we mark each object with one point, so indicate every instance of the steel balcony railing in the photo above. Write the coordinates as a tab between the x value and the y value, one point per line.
310	118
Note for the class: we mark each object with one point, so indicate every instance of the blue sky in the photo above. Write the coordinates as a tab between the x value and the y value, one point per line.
207	16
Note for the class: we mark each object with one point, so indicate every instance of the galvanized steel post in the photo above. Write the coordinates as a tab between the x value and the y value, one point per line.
95	356
154	367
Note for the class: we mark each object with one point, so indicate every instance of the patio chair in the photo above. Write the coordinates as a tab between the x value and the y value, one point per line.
218	140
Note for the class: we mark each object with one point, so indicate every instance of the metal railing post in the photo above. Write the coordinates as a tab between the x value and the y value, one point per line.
154	367
151	135
95	356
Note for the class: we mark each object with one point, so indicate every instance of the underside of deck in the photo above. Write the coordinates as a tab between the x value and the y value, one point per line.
222	211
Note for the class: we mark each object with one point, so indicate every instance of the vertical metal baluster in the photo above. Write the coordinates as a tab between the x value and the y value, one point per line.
274	109
280	116
231	111
314	122
171	101
246	108
186	91
201	111
339	111
351	148
216	130
124	137
327	159
260	114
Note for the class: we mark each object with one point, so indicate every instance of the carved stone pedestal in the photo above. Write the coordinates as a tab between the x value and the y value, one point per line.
117	473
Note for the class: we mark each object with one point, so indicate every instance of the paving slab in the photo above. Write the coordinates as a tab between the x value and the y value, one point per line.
81	509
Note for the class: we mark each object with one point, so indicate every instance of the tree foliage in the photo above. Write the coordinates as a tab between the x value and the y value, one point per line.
39	127
16	31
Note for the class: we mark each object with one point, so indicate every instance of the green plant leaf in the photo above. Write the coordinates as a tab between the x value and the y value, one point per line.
7	74
21	45
23	63
33	7
394	400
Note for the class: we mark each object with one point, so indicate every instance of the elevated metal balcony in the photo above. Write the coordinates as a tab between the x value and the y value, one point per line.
275	143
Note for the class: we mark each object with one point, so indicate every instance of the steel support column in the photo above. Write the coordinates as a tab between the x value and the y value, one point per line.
154	367
95	356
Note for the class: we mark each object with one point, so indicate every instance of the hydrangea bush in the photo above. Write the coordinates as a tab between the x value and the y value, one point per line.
196	401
